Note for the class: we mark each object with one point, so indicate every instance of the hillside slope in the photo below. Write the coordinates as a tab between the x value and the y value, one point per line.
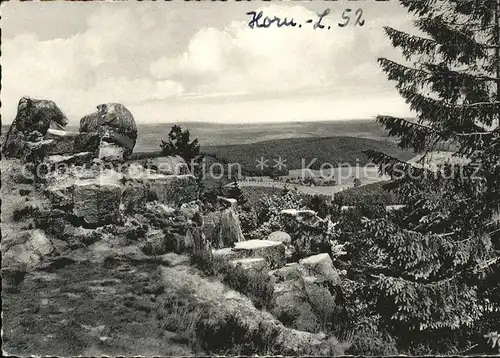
333	150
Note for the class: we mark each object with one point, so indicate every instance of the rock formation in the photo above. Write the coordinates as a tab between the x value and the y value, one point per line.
222	226
305	290
32	115
116	127
273	252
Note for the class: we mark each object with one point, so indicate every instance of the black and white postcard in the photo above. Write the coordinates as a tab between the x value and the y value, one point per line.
250	178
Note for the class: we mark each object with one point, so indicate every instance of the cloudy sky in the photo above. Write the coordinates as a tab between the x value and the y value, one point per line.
199	61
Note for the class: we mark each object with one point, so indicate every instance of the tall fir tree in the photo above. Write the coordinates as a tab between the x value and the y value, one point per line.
433	266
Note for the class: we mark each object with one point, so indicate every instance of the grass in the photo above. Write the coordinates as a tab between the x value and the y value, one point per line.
66	310
255	285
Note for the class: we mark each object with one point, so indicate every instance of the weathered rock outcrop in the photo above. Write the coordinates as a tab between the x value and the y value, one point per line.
320	268
26	249
306	292
273	252
255	327
222	227
63	142
32	115
172	189
286	240
97	204
115	124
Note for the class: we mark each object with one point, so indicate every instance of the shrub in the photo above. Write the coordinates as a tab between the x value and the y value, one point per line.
226	336
373	343
269	211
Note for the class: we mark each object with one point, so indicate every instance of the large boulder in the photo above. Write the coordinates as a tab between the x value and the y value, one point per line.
252	263
26	249
320	268
97	204
272	251
286	240
32	115
134	195
307	293
292	306
114	123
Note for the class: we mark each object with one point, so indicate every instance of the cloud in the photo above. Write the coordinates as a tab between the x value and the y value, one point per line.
108	60
237	58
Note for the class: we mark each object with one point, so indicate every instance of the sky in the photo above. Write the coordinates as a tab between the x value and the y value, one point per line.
184	61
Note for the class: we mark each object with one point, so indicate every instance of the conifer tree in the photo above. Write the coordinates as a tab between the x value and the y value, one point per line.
433	266
236	193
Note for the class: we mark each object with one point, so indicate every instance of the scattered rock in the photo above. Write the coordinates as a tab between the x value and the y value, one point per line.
34	151
292	306
321	268
305	293
309	232
305	217
156	243
190	242
272	251
226	252
189	210
64	162
134	195
159	209
227	203
111	152
223	305
173	259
